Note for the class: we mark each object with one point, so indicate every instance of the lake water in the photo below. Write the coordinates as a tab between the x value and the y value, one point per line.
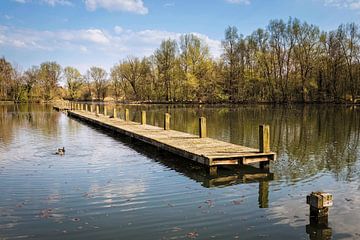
108	187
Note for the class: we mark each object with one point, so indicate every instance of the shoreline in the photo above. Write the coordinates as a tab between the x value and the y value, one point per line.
225	103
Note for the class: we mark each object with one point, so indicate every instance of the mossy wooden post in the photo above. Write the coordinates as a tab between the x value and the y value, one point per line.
143	117
97	109
264	138
264	142
105	111
202	127
126	114
167	121
114	113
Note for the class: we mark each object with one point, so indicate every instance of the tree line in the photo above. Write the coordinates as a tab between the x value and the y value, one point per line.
287	61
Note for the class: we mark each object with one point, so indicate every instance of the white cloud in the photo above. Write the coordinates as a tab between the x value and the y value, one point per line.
245	2
94	35
348	4
53	3
135	6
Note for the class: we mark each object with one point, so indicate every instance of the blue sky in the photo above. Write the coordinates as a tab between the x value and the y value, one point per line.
83	33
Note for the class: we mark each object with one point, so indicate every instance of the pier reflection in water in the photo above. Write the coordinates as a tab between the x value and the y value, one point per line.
107	186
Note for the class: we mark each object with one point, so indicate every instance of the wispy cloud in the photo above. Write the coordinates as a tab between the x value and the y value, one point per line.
53	3
244	2
95	43
135	6
169	4
348	4
21	1
8	17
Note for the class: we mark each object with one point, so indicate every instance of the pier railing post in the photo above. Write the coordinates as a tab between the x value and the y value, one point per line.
114	113
143	118
86	108
126	114
105	111
264	138
167	121
202	127
91	108
97	110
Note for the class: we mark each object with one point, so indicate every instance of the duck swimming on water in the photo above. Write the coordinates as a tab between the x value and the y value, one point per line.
60	151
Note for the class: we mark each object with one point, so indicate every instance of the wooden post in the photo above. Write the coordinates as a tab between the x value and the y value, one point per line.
114	113
91	108
97	110
143	117
86	108
126	114
213	170
105	110
167	121
264	138
202	127
82	107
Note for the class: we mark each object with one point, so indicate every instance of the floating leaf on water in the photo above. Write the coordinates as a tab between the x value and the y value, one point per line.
192	235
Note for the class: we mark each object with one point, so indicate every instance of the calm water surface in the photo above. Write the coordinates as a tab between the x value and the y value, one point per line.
108	187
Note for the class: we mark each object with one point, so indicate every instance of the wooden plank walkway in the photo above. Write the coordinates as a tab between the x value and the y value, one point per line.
207	151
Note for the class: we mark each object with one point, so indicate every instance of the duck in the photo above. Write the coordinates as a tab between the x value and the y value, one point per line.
60	151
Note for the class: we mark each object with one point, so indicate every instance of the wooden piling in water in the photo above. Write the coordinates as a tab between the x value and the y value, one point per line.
126	117
202	127
264	138
167	121
143	117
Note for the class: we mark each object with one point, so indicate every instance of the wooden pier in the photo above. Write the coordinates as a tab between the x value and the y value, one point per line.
204	150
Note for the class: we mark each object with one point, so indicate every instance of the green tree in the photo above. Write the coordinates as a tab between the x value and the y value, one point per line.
97	76
74	82
49	77
165	58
